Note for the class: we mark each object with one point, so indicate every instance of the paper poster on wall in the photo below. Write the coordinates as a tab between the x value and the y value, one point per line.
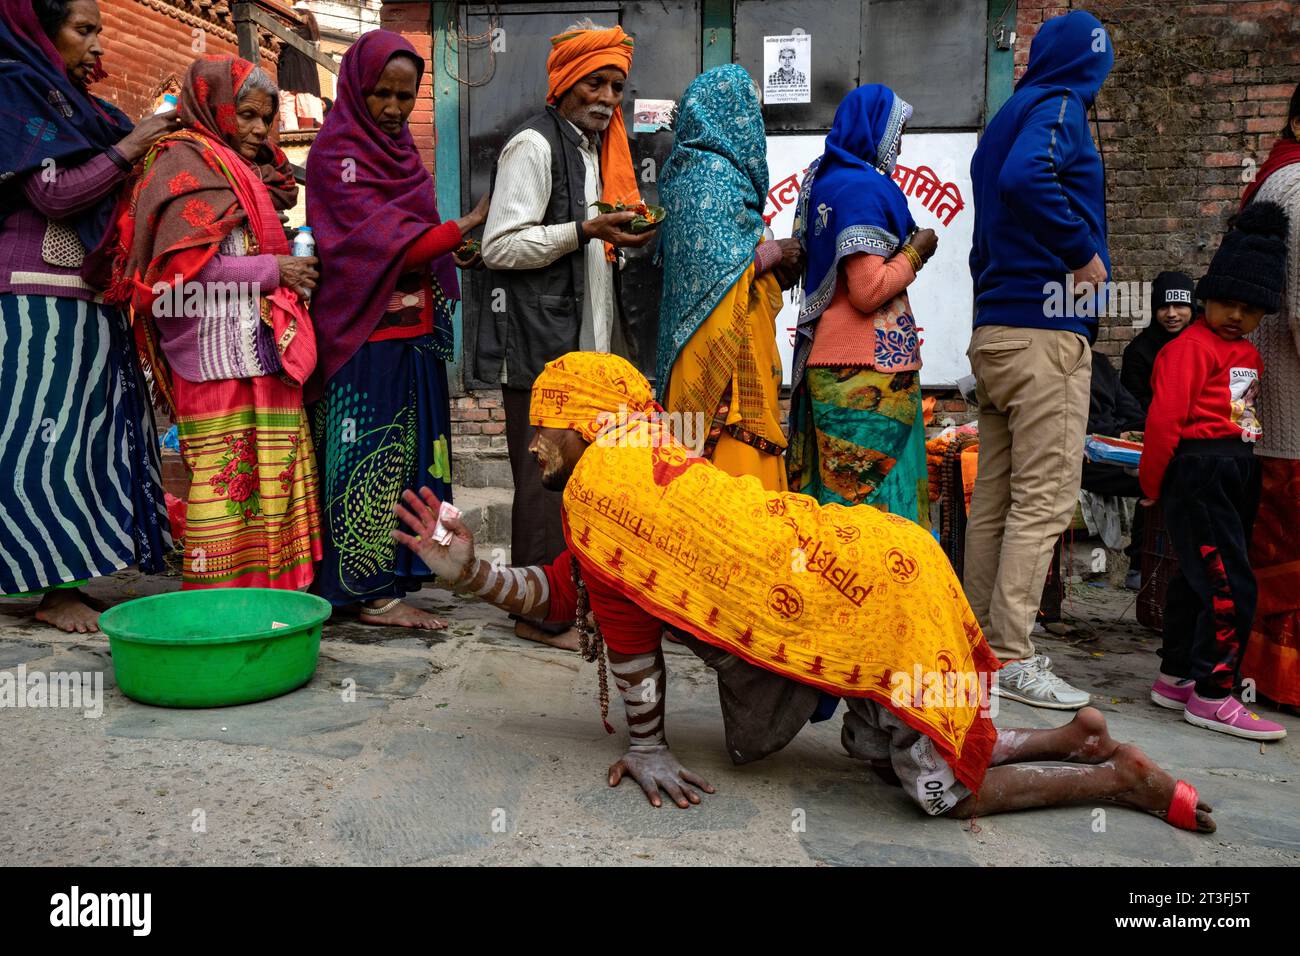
651	116
787	69
933	170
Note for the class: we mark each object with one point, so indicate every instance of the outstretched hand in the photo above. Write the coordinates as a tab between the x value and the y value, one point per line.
657	769
451	562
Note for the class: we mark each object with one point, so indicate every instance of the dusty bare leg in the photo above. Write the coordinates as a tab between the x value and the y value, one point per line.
1129	778
1083	740
67	609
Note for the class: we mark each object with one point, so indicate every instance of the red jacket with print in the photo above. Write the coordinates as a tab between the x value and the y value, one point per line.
1205	387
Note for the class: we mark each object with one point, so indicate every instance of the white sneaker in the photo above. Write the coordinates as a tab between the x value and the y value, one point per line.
1032	682
1133	580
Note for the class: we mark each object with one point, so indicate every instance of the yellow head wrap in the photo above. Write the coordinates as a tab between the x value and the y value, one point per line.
587	391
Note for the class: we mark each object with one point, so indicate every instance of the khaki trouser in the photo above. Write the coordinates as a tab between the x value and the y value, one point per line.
1032	386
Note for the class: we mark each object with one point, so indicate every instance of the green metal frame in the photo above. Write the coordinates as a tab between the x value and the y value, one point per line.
717	18
1000	71
446	125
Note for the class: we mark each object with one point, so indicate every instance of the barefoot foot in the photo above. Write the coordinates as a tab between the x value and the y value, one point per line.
66	609
1090	740
566	641
1150	788
403	615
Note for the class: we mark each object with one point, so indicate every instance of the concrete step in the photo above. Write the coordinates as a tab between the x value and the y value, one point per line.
481	468
486	512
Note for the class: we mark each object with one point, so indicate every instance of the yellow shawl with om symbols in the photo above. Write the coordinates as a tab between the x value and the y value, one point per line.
851	600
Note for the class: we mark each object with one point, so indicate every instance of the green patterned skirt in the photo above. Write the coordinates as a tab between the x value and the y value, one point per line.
859	438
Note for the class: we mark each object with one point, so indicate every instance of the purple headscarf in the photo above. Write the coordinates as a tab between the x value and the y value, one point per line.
369	198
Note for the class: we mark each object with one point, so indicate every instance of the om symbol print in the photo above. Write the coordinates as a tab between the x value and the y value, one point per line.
901	568
785	601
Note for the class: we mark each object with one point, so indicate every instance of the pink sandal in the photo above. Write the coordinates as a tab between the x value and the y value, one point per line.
1182	808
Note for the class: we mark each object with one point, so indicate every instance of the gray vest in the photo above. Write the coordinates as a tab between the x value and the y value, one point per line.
543	307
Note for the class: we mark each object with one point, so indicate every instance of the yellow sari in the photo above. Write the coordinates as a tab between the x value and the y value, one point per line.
729	372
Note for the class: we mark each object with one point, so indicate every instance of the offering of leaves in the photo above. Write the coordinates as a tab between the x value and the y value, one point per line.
647	217
469	248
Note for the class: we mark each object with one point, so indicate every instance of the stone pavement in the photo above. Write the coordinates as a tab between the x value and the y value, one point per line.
469	746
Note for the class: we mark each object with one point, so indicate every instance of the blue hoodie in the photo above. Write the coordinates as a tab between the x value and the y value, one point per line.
1040	205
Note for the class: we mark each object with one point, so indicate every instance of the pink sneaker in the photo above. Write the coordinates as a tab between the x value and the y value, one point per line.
1230	716
1171	693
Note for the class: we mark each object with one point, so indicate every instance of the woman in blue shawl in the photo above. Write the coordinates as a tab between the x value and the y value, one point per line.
81	496
722	281
856	429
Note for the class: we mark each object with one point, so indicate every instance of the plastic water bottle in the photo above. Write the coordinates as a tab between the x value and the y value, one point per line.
304	244
168	103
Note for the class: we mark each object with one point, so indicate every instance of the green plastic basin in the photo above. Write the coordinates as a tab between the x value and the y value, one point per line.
214	647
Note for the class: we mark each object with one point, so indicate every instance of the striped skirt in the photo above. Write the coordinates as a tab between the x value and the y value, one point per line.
80	489
251	516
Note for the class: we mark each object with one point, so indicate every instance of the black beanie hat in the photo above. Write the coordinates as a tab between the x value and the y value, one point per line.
1173	288
1251	262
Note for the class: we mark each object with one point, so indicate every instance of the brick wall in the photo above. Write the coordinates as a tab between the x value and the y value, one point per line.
1197	96
145	41
412	20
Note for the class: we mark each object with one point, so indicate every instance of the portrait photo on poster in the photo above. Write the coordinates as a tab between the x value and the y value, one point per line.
787	69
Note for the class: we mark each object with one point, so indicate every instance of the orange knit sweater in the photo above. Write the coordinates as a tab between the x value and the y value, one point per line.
845	335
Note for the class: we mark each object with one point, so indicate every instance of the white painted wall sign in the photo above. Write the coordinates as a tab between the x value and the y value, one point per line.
934	171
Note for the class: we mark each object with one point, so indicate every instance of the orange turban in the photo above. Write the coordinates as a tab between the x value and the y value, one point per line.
575	55
587	391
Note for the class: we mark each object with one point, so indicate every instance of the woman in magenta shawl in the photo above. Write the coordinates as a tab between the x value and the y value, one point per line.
383	315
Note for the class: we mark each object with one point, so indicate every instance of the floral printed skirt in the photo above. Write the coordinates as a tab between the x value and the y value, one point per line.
252	517
866	443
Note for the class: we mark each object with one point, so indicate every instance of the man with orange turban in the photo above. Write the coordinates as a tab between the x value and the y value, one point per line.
554	259
794	604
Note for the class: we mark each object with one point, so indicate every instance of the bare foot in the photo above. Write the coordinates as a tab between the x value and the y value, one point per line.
565	641
1093	742
404	615
1151	788
66	609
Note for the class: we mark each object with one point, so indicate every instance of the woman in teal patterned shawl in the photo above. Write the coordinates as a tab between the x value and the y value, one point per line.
717	356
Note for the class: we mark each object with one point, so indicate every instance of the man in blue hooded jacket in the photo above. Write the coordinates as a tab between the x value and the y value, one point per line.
1040	241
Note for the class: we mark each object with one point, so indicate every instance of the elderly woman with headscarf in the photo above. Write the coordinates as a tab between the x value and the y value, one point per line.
81	496
384	312
200	254
722	283
856	430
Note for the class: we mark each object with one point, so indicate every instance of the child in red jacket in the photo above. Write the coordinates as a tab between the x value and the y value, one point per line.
1199	461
